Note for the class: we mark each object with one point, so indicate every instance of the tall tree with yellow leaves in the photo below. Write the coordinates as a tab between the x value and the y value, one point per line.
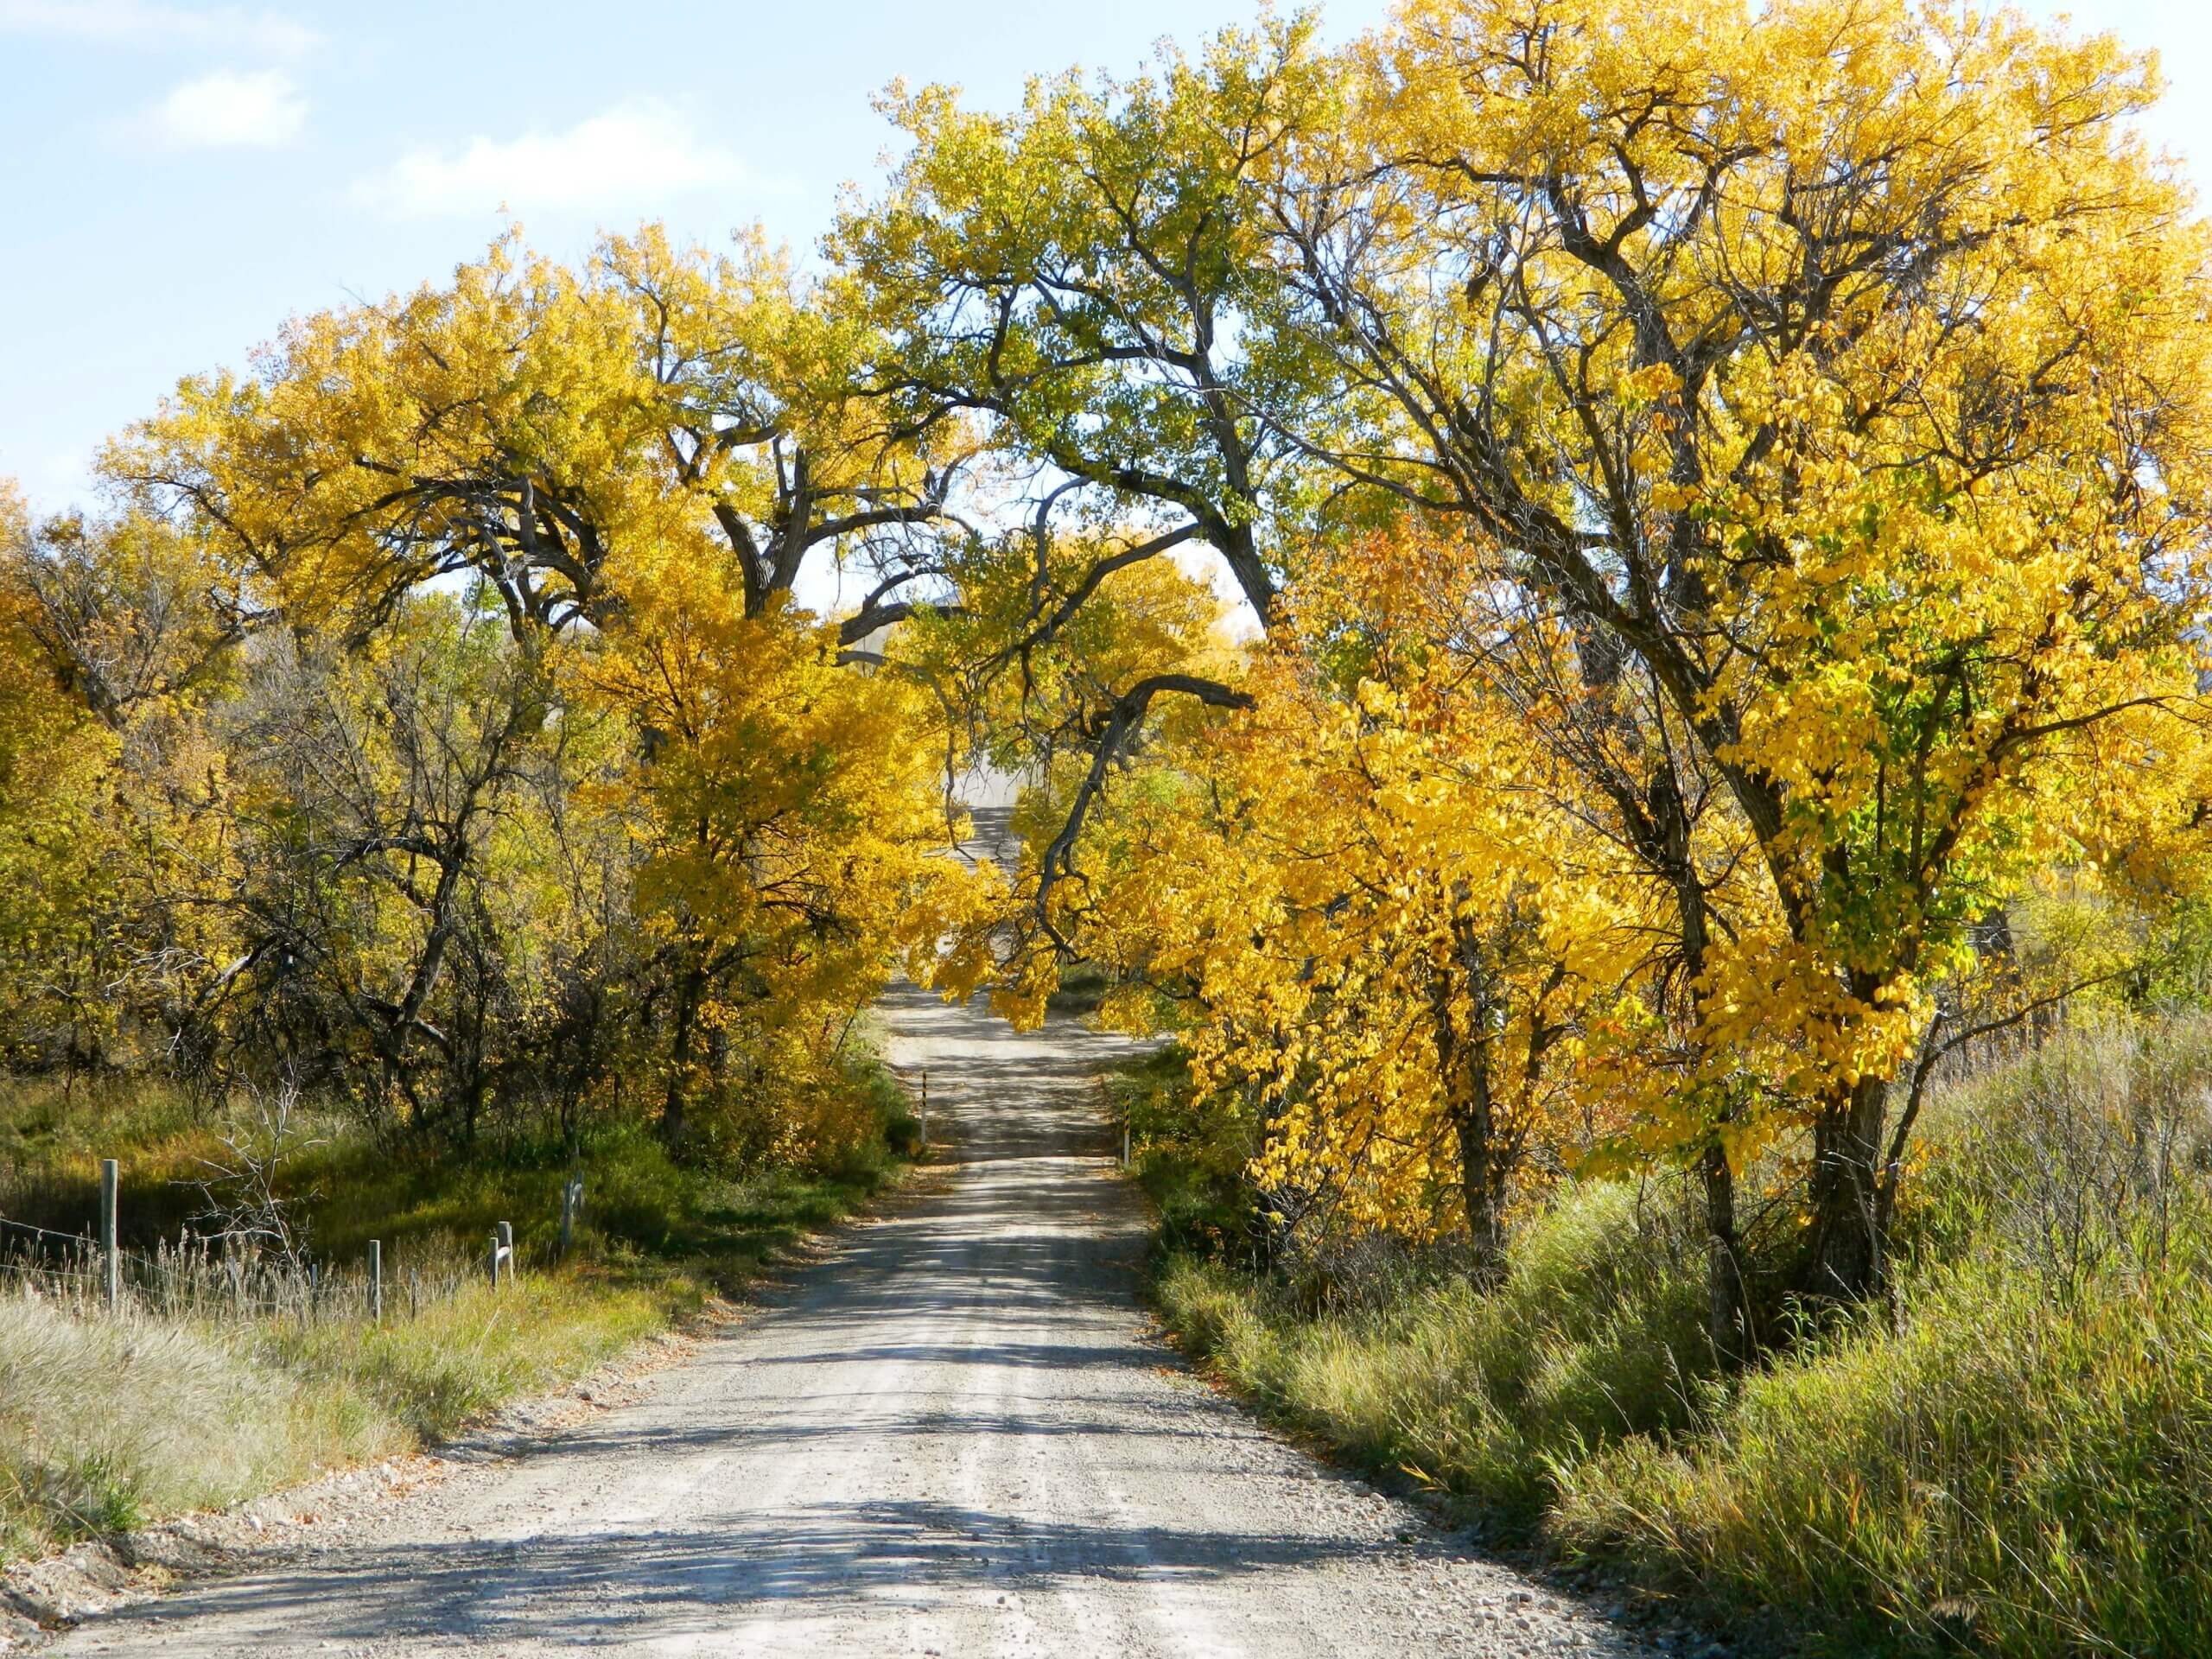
1383	905
530	427
789	831
1843	368
531	539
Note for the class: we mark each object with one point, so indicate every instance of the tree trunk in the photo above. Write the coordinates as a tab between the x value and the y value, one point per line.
1727	1307
1843	1256
1480	1192
1463	1067
673	1122
1728	1322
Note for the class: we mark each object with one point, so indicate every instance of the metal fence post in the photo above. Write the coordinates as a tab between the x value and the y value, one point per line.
495	1258
572	1200
925	1109
507	1249
1125	1143
376	1282
111	1274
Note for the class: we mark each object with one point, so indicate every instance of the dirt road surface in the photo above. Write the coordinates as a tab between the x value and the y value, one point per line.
954	1435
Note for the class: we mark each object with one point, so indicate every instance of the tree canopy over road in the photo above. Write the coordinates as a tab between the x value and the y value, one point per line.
1723	499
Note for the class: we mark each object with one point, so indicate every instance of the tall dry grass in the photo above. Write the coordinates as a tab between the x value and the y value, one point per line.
2015	1460
211	1386
108	1420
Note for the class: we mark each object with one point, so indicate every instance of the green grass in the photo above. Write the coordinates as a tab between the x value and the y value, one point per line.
2015	1460
105	1423
2035	1478
1594	1335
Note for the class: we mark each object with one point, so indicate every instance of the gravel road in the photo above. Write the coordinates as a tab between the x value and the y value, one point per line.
952	1436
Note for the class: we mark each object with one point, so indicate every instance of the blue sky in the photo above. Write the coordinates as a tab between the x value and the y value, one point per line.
179	177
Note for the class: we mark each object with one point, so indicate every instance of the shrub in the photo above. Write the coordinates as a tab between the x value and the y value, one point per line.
1189	1157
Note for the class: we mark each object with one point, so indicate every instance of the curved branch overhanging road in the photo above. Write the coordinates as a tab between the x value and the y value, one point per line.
953	1436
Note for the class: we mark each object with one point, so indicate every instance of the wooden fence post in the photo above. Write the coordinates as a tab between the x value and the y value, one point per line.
376	1282
111	1273
925	1109
1125	1143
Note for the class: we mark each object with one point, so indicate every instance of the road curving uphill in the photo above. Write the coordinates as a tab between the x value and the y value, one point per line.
952	1435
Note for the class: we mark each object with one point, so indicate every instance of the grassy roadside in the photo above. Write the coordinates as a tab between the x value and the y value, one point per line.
105	1423
2015	1460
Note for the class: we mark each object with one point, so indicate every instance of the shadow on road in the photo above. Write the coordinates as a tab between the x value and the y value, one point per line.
555	1589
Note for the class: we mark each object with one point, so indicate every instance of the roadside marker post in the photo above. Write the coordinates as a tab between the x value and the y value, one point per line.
110	1265
572	1201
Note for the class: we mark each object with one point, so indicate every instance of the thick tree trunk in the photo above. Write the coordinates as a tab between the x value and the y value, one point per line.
1843	1254
1482	1192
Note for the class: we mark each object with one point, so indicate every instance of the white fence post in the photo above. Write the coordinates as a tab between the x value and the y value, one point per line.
112	1272
572	1200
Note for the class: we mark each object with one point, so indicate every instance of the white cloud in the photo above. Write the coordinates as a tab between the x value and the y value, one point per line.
627	157
261	108
148	23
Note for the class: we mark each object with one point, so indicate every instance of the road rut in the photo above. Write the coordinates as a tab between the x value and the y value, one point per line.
953	1436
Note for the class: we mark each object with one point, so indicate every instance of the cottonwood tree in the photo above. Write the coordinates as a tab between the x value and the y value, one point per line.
789	831
766	418
619	471
1085	279
57	765
1063	709
497	427
1386	909
542	430
1085	275
116	636
1841	367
